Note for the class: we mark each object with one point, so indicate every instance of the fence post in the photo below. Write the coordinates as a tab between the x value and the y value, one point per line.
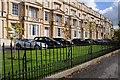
36	62
25	62
3	48
71	55
12	59
19	62
91	52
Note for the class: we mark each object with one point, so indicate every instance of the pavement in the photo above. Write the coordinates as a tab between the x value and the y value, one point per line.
0	63
106	68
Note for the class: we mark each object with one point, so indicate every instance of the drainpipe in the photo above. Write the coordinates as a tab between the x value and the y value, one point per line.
51	23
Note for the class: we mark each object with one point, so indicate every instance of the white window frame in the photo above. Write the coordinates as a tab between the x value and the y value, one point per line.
59	32
58	18
33	12
86	34
47	16
73	3
75	34
36	27
79	23
66	10
57	6
73	12
46	3
48	32
74	22
15	9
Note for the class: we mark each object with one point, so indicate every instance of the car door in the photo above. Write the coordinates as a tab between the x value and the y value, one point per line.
27	43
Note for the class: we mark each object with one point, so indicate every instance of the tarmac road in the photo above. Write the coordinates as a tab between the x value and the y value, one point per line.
106	68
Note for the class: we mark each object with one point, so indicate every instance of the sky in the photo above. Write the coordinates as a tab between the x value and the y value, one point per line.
109	8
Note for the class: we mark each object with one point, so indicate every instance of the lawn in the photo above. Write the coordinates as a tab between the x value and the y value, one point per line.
47	61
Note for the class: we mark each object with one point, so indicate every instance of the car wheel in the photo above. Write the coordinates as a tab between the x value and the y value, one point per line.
37	47
18	46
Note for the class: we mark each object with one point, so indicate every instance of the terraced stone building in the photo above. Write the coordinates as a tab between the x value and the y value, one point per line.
54	18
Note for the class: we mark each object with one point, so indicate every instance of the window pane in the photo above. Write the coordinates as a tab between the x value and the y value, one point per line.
33	13
86	34
58	18
34	29
46	3
14	9
75	33
57	6
59	31
47	16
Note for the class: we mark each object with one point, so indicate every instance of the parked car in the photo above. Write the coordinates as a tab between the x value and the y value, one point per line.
99	41
90	41
108	41
79	42
50	42
63	41
29	43
76	41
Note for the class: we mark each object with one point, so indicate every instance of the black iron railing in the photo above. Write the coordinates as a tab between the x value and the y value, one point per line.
30	63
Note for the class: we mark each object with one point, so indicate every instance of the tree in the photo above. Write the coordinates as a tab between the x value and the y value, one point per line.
13	33
117	34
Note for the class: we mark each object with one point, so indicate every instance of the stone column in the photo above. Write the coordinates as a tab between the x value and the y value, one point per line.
0	7
1	28
4	8
82	30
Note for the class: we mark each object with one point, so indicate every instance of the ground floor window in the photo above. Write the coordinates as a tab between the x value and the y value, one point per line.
75	33
47	32
86	34
34	29
59	31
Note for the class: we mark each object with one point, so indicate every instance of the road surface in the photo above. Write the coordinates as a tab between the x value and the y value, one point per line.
106	68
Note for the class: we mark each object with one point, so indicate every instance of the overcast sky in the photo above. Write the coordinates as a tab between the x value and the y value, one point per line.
109	8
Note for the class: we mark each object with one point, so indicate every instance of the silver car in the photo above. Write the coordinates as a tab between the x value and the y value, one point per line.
29	43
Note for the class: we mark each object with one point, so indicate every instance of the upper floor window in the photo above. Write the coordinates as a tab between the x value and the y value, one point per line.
66	0
47	15
66	10
79	14
66	19
79	7
84	16
46	3
73	3
79	23
57	6
73	12
58	18
86	34
74	22
33	12
15	9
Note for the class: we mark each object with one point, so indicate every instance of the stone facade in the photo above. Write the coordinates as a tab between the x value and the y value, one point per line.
54	18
